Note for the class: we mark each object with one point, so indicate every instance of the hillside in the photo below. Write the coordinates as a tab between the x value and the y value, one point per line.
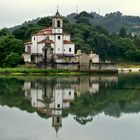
121	46
114	21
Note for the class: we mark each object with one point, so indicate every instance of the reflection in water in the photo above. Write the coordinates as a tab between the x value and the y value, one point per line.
110	103
51	95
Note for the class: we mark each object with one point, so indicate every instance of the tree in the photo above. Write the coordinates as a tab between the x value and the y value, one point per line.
4	32
10	46
46	22
83	17
122	32
12	60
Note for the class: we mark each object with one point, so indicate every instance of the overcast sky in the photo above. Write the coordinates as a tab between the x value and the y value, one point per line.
14	12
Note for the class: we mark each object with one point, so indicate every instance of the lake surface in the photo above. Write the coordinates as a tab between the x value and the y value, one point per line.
70	108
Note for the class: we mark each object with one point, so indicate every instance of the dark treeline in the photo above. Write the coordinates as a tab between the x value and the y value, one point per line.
119	46
113	21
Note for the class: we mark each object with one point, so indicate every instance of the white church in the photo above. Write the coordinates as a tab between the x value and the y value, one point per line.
59	41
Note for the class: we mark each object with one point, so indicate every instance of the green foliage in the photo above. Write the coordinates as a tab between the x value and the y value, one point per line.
24	33
113	21
83	17
118	47
12	60
46	22
122	32
4	32
10	50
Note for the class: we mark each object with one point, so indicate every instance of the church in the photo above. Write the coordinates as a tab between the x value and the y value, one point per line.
50	38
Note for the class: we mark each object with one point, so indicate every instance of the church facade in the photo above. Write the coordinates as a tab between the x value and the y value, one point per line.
54	36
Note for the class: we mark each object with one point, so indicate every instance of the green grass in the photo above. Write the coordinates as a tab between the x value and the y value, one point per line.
39	72
129	65
35	71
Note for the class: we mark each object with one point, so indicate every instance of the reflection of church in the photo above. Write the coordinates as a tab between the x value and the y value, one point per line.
49	101
51	95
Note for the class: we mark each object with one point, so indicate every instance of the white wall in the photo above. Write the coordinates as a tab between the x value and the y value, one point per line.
51	37
57	31
58	44
40	47
66	49
58	99
68	94
67	37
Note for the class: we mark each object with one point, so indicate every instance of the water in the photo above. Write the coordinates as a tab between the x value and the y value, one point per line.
70	108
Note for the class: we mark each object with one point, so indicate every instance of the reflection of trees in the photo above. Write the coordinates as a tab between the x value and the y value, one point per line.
10	94
113	100
83	120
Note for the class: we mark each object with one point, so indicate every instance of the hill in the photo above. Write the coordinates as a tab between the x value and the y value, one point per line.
113	21
88	32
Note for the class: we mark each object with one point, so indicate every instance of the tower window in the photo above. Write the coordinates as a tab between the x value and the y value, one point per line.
34	38
59	37
69	49
58	120
58	23
58	105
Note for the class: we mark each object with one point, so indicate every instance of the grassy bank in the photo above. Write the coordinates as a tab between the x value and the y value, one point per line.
129	65
34	71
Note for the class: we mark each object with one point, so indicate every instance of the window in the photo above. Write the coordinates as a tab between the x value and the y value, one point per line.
29	49
58	106
58	120
58	23
69	93
34	38
69	49
59	37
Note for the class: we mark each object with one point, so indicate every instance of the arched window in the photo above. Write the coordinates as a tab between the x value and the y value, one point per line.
58	23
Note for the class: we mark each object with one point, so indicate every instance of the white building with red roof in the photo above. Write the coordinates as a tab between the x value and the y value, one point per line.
59	41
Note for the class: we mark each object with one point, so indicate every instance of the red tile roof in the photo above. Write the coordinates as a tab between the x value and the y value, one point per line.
68	42
46	41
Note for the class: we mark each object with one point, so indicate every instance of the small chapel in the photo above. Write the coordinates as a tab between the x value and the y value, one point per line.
48	42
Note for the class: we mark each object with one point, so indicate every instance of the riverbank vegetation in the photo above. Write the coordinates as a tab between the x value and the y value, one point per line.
118	47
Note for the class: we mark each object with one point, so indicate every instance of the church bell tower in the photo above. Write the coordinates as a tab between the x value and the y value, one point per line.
57	25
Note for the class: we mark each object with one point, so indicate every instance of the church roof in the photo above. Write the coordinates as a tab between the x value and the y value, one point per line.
28	43
57	15
46	31
46	41
68	42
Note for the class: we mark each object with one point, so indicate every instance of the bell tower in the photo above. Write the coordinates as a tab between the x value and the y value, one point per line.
57	25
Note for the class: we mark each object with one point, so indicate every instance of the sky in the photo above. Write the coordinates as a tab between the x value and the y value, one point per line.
14	12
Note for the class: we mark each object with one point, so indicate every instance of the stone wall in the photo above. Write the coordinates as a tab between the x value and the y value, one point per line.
102	67
92	67
68	66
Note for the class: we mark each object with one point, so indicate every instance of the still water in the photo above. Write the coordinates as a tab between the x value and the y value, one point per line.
70	108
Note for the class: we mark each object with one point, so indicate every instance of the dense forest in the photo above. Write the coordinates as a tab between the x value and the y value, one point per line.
110	44
113	21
